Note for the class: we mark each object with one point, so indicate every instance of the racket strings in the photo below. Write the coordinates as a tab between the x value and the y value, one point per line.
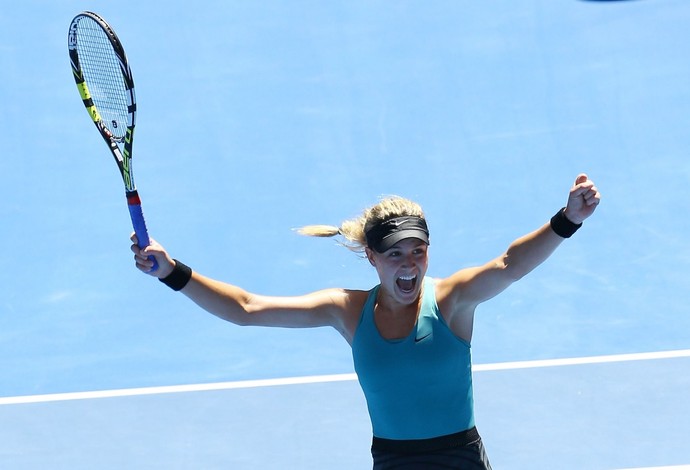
103	75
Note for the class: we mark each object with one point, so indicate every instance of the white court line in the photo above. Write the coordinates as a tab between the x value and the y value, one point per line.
128	392
331	378
583	360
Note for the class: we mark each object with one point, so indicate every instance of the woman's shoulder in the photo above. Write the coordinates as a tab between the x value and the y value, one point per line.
456	282
346	301
356	298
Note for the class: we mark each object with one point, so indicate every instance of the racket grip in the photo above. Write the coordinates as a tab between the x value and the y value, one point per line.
137	215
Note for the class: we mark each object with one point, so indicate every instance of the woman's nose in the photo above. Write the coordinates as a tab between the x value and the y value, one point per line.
408	259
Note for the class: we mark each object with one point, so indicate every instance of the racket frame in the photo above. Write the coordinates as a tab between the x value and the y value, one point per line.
123	157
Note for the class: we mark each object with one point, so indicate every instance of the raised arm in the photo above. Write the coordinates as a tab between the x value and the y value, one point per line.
460	293
231	303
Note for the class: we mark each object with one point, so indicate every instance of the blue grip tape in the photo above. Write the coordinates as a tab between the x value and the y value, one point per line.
139	224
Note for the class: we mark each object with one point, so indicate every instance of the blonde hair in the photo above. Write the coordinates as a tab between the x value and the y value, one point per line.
354	230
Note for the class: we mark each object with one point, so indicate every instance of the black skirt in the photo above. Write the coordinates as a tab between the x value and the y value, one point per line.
460	451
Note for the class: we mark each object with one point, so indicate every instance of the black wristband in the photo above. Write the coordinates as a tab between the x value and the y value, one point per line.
562	225
179	277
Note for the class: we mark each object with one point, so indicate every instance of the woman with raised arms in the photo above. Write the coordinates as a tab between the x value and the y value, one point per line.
410	334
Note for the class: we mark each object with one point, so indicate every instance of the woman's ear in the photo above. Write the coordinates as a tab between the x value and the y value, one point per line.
370	256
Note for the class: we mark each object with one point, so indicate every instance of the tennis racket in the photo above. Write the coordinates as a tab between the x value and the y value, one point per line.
106	87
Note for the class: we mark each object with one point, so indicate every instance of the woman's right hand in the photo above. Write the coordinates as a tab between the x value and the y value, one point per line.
144	264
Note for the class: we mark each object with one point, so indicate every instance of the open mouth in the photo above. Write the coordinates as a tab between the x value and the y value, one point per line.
406	283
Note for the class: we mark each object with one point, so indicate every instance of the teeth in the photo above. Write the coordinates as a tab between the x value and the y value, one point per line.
408	278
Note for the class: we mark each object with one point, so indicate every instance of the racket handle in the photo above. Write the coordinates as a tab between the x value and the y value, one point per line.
137	215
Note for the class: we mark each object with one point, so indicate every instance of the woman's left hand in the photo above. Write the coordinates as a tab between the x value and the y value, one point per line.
583	199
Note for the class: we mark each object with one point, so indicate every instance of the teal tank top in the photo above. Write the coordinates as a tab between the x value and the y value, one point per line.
417	387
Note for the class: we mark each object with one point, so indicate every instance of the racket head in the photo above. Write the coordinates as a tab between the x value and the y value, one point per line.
103	76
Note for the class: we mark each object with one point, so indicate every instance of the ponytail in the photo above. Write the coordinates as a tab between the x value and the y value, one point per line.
351	230
354	230
319	231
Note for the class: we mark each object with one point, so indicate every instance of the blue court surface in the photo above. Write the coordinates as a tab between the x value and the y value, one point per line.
259	117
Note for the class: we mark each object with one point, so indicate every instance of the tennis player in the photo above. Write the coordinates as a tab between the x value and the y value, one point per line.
410	334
